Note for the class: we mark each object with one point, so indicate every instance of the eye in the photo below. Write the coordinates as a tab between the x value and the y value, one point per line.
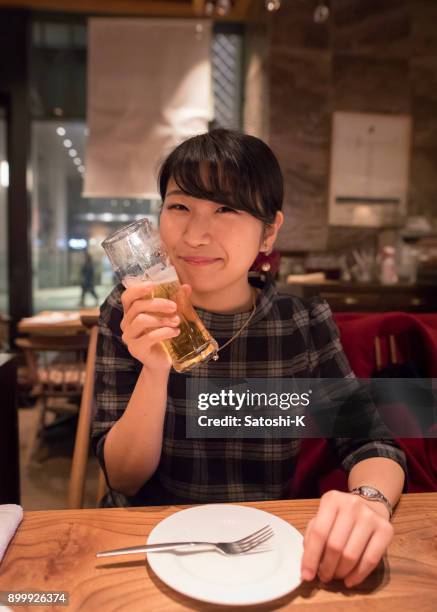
226	209
176	207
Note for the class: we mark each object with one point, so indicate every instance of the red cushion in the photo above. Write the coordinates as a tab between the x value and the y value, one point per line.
317	470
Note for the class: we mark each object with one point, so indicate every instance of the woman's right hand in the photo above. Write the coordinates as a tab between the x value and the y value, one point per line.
146	322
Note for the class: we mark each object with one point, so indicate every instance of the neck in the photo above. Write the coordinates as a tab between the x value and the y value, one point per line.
239	299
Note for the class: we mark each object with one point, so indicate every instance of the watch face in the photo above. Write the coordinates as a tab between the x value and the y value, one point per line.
369	491
374	495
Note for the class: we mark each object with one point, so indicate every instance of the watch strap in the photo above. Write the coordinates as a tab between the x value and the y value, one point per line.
373	494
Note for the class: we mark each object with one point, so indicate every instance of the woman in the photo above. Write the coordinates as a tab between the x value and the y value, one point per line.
222	195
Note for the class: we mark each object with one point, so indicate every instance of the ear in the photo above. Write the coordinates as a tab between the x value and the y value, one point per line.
270	232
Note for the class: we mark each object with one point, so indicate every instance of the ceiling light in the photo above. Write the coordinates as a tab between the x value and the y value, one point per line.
272	5
321	14
77	243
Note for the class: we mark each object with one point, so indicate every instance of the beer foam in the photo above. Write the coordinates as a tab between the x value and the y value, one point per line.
131	281
154	274
168	275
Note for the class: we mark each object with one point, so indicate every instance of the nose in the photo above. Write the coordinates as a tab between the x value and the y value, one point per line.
197	231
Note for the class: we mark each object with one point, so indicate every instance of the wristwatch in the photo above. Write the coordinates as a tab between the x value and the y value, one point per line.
373	494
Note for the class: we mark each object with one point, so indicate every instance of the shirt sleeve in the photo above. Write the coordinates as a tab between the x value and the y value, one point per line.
115	376
327	360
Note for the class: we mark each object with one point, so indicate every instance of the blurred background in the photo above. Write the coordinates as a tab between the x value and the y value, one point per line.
297	73
94	93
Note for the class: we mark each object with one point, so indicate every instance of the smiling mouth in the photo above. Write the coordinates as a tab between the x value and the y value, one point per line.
200	261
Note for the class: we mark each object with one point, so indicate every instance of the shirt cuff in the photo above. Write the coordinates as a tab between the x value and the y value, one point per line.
377	448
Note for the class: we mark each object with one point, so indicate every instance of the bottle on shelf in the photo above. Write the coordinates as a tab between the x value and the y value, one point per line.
387	272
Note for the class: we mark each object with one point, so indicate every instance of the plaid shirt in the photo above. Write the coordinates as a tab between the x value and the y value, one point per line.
286	338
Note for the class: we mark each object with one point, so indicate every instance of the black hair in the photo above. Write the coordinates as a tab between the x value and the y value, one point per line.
227	167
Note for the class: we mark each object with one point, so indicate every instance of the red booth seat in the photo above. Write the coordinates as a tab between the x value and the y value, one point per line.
416	342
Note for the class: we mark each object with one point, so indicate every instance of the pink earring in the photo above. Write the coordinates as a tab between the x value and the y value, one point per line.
265	266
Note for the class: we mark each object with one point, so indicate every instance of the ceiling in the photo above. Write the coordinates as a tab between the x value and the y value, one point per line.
152	8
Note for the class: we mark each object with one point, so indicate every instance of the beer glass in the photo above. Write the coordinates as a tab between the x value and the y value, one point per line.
137	254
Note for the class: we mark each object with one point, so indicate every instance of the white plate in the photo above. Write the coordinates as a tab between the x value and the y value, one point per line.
231	580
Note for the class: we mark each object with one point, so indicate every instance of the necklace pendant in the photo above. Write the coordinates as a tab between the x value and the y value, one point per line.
215	357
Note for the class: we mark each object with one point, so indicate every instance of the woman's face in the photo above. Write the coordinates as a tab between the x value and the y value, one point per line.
211	245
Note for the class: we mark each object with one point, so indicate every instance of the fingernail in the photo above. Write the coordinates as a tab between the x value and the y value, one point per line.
306	575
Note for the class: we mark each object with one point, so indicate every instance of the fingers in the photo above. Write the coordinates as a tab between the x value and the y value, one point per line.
143	292
372	555
307	532
346	539
353	550
144	323
144	314
149	306
137	304
136	292
153	337
334	548
318	536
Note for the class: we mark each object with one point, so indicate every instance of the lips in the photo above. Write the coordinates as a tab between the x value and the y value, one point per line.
200	261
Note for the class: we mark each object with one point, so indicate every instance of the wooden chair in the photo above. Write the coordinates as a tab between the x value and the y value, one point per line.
82	442
56	371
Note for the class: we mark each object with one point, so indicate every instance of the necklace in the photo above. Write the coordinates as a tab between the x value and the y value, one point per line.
237	333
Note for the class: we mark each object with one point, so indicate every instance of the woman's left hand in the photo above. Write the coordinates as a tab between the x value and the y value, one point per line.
346	539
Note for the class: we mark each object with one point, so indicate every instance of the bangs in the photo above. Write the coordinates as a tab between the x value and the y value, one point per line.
218	167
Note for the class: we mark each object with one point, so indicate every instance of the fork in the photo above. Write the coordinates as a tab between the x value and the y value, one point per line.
237	547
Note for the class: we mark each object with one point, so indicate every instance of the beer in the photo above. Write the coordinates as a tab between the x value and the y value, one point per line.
194	343
137	254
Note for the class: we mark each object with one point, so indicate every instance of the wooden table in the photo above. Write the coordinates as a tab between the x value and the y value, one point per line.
55	550
83	319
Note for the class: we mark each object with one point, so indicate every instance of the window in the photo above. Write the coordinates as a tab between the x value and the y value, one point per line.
65	223
226	61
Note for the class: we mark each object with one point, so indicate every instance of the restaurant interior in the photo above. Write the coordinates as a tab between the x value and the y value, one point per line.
93	95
